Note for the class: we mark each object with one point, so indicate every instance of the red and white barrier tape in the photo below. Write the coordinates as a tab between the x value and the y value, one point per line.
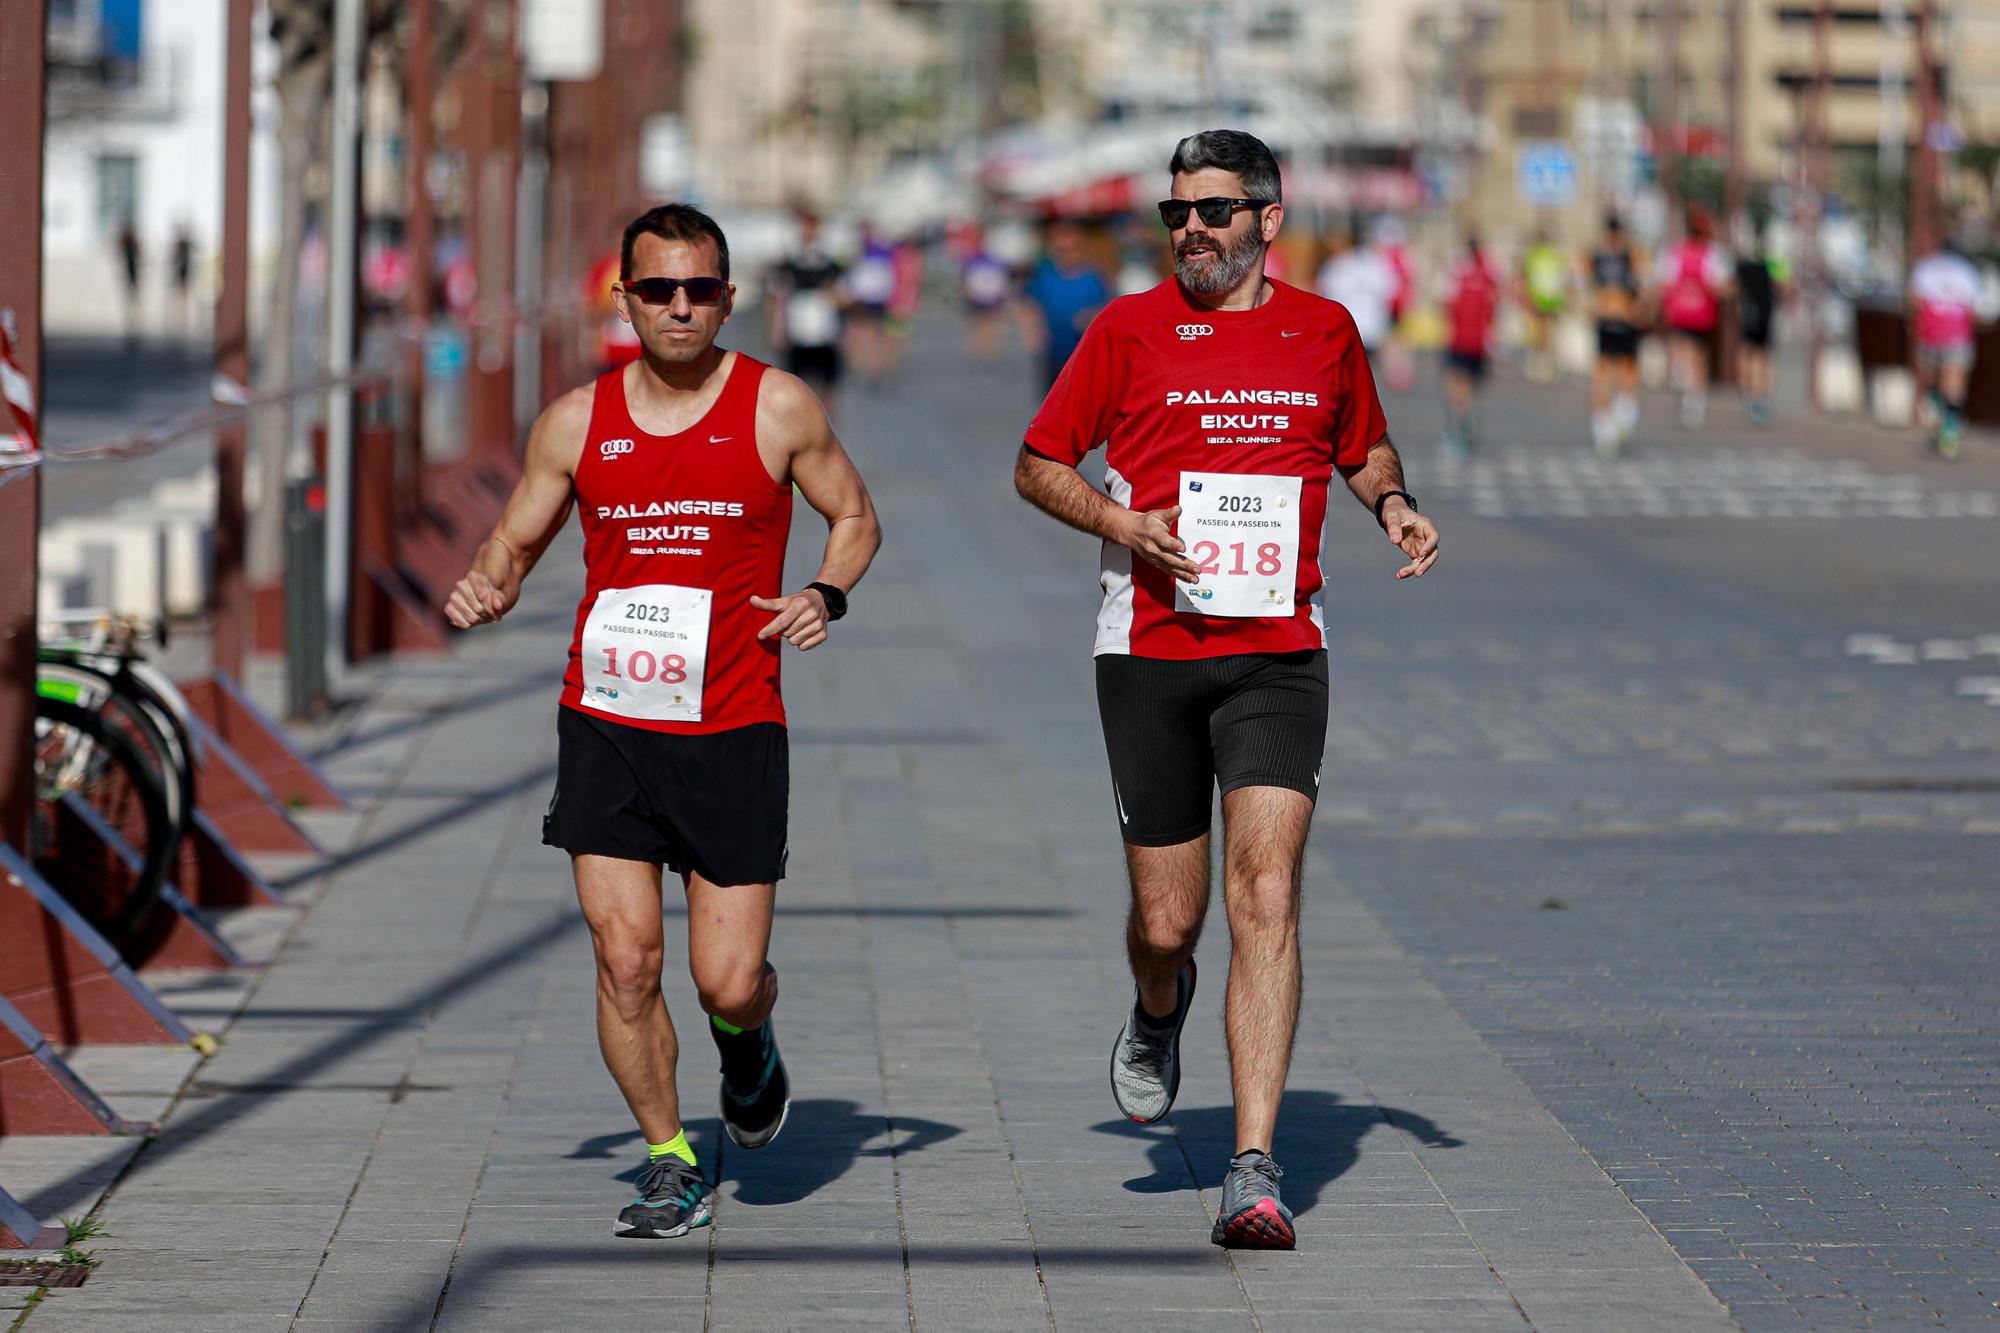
22	448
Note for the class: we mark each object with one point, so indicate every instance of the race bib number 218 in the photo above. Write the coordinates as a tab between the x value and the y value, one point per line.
645	652
1242	529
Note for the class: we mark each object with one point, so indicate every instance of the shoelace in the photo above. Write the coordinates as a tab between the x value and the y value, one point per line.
1263	1168
668	1177
1146	1054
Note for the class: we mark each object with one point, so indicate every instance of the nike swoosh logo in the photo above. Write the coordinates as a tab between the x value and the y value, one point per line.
718	439
1291	335
1123	818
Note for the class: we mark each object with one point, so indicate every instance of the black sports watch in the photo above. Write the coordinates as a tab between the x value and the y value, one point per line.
836	600
1383	499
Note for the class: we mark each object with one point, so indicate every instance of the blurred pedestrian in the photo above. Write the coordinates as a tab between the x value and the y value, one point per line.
1760	286
1544	294
1061	297
804	312
906	297
183	271
129	255
871	286
1617	278
985	284
1944	296
1361	279
1698	274
1474	296
1388	239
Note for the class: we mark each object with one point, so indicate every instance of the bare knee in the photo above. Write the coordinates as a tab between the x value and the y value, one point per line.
1264	906
1165	929
628	975
731	991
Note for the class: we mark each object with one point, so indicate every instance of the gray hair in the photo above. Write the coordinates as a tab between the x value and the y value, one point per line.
1231	150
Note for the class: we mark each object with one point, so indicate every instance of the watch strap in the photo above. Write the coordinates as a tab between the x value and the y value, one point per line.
1383	499
836	600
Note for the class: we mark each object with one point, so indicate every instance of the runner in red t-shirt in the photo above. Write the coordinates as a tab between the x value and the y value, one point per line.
671	746
1474	296
1225	402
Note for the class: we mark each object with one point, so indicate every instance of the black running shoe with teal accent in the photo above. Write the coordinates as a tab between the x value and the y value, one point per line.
673	1200
756	1093
1146	1062
1252	1217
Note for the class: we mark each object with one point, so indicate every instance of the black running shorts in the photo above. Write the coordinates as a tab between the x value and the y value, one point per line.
1176	731
714	805
1617	340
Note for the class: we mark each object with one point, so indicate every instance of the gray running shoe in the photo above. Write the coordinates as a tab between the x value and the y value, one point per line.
1251	1216
1146	1065
673	1200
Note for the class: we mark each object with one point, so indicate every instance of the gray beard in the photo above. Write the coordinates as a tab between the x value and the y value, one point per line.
1233	262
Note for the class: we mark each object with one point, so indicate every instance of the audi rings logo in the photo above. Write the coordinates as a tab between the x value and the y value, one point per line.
1189	332
613	448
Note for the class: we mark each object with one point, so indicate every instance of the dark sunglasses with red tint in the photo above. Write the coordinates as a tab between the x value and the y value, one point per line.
660	291
1215	210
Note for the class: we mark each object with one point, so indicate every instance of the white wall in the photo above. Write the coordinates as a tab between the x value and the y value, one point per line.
173	126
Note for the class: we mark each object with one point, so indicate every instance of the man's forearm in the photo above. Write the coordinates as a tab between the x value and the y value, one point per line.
1060	491
851	543
1382	473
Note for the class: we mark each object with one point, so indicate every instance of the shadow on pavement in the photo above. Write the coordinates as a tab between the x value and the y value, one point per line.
1319	1139
823	1139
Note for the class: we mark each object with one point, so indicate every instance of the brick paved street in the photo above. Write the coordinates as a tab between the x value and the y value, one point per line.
1651	928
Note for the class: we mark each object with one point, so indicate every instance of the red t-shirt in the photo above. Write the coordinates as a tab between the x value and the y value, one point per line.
1170	388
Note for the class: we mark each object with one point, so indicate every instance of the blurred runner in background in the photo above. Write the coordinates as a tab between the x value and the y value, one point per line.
804	313
1697	275
1544	293
986	285
1366	283
1473	298
1760	285
1617	280
1944	295
871	286
1062	296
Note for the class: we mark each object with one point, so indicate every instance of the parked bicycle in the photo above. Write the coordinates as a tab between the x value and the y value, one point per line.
115	762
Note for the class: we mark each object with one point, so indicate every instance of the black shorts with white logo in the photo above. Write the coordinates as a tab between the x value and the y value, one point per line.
714	805
1176	731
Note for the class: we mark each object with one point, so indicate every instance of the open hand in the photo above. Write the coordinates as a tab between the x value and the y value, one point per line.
1412	534
1150	535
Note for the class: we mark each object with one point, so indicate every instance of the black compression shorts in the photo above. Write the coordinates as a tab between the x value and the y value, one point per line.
714	804
1176	731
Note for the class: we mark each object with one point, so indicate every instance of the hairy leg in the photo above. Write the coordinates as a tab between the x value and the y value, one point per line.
1169	903
621	905
1263	850
729	933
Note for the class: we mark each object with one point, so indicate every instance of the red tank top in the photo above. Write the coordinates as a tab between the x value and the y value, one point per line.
679	532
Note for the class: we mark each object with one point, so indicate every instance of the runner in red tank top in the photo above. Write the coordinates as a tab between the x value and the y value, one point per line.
671	734
1225	403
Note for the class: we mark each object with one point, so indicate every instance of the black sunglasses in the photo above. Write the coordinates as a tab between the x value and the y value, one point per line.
660	291
1215	210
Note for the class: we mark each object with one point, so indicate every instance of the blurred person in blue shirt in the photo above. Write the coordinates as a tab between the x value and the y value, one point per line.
1061	297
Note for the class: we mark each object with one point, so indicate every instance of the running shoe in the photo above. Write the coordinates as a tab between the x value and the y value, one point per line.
673	1200
1146	1062
756	1093
1252	1217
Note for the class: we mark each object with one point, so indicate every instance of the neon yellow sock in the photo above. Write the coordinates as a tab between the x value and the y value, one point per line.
678	1146
721	1026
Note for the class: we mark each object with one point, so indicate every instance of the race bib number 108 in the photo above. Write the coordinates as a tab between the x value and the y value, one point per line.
645	651
1242	529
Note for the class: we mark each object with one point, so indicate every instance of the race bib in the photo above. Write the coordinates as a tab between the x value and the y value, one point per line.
811	318
645	651
1242	529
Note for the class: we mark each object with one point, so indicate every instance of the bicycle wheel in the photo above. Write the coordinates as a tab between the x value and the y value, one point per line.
129	709
80	758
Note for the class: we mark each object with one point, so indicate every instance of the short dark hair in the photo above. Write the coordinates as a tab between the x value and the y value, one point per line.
1231	150
672	222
